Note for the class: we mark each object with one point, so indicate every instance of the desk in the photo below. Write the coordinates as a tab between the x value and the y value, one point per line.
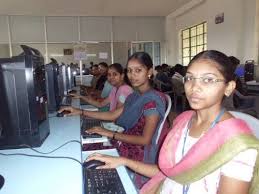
31	175
35	175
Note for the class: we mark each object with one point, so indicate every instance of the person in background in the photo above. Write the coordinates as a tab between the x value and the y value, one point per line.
161	80
141	116
97	84
103	69
240	80
96	74
207	150
178	72
119	93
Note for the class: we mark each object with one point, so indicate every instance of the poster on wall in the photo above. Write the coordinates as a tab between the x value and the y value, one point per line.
68	51
219	18
80	52
103	55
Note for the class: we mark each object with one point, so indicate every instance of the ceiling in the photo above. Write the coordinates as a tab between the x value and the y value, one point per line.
90	7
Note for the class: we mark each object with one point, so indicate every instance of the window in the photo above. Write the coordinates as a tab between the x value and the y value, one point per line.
194	40
152	48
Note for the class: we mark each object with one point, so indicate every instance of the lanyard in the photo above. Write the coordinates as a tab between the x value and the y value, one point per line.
217	119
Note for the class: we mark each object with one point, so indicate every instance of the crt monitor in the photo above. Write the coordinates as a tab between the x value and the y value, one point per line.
249	70
256	73
23	100
52	74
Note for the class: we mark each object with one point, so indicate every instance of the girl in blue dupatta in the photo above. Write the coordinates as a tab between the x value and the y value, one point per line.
141	116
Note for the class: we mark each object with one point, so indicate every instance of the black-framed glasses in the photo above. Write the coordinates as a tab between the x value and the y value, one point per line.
204	80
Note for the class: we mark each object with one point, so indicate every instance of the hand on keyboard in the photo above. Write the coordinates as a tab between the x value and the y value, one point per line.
110	161
101	131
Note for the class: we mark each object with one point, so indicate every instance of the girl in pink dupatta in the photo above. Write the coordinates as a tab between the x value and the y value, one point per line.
208	151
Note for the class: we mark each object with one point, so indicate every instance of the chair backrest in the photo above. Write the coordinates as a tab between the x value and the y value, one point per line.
252	122
168	108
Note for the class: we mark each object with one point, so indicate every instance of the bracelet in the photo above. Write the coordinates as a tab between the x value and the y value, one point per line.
113	137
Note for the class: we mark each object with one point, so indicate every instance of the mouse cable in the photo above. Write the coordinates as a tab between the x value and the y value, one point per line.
40	156
52	117
71	141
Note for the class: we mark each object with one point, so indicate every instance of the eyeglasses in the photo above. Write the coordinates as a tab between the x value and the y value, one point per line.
204	80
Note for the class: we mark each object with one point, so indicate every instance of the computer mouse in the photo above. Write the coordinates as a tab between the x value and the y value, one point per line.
1	181
63	113
72	92
92	164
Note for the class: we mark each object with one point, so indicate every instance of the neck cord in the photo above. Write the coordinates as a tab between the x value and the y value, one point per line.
216	120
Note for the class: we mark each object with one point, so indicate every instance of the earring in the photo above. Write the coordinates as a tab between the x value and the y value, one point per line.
228	94
149	76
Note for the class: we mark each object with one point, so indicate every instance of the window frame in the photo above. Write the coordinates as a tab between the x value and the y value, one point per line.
202	45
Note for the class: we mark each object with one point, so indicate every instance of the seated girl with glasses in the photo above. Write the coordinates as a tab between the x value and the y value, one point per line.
208	150
140	116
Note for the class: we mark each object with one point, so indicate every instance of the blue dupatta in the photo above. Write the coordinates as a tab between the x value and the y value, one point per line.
133	110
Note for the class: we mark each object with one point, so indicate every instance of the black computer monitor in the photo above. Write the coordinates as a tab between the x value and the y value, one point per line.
23	100
52	74
249	70
61	89
256	73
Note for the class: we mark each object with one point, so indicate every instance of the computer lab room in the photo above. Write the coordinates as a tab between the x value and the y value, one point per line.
129	97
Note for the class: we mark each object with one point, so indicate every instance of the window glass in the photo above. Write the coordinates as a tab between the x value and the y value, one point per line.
194	40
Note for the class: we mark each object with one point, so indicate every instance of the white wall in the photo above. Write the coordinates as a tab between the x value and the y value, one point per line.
235	36
59	32
4	51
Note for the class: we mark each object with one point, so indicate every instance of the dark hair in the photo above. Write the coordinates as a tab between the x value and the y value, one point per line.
179	69
143	58
225	66
158	68
118	67
103	64
234	60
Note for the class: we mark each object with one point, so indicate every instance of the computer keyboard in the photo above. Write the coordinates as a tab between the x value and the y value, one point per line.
103	181
87	123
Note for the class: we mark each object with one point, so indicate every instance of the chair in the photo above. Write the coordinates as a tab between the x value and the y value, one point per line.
168	108
160	85
252	122
239	102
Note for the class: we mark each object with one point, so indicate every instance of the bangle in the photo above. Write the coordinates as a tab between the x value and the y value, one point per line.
113	137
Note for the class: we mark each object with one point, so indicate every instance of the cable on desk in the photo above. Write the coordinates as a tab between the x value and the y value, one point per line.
40	156
52	117
71	141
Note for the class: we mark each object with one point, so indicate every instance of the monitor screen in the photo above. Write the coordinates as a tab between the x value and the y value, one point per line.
240	71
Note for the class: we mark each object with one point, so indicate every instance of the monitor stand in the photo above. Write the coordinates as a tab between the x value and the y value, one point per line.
1	181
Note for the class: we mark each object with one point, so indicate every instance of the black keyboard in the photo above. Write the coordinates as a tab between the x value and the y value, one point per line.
88	124
103	181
